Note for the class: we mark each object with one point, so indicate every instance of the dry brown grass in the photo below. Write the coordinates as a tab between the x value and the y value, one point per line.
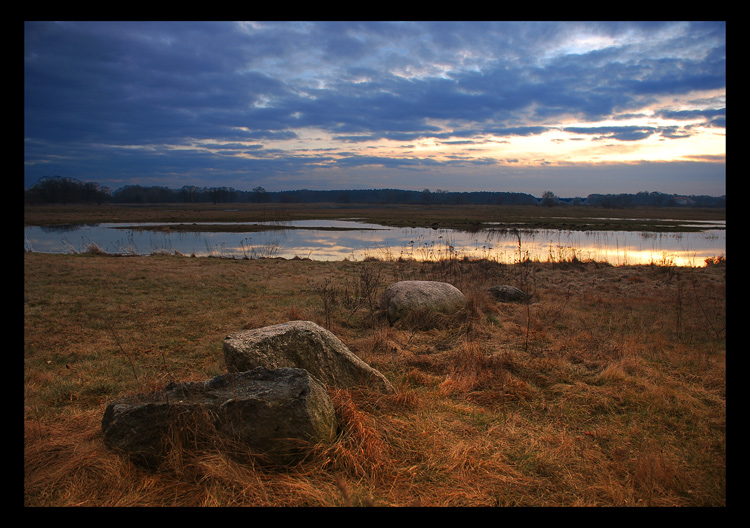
608	390
406	215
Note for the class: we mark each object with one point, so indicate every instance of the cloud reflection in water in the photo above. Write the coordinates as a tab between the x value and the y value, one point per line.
338	240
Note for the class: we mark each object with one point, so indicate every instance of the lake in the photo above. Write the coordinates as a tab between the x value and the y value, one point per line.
353	240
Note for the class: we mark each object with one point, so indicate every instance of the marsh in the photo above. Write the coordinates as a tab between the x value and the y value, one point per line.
327	240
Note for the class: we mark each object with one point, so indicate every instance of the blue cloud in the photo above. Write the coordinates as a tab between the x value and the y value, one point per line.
117	99
621	133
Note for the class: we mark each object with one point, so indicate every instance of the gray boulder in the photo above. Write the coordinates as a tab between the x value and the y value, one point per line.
506	293
305	345
277	413
403	297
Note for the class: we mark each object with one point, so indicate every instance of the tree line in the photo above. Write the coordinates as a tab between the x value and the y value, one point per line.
56	189
655	199
64	190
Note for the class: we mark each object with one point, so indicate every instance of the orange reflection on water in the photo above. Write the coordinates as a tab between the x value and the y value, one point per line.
613	247
339	240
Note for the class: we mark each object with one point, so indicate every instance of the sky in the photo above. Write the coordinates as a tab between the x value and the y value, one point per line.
574	108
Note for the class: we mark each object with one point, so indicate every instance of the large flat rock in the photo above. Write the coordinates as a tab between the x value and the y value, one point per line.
277	413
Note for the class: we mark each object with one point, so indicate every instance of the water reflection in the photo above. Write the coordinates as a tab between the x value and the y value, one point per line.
338	240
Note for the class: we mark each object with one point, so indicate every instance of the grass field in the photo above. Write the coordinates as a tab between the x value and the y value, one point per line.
469	217
608	390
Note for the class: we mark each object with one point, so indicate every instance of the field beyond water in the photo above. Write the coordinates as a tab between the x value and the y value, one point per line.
609	389
467	217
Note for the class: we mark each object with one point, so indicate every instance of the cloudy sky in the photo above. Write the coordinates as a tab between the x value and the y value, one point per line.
569	107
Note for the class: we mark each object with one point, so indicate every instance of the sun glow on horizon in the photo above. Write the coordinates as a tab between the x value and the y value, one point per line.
644	135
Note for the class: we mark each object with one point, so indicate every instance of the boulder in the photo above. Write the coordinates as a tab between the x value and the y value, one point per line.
277	413
305	345
504	293
403	297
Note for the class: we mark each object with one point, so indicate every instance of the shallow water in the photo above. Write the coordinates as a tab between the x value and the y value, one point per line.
358	241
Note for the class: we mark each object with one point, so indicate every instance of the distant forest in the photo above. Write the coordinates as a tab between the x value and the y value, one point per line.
60	190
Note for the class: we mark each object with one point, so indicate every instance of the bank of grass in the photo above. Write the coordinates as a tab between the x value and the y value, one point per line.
465	217
608	390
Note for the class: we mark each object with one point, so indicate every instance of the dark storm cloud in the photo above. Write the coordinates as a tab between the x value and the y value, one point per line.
174	97
621	133
708	115
354	161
